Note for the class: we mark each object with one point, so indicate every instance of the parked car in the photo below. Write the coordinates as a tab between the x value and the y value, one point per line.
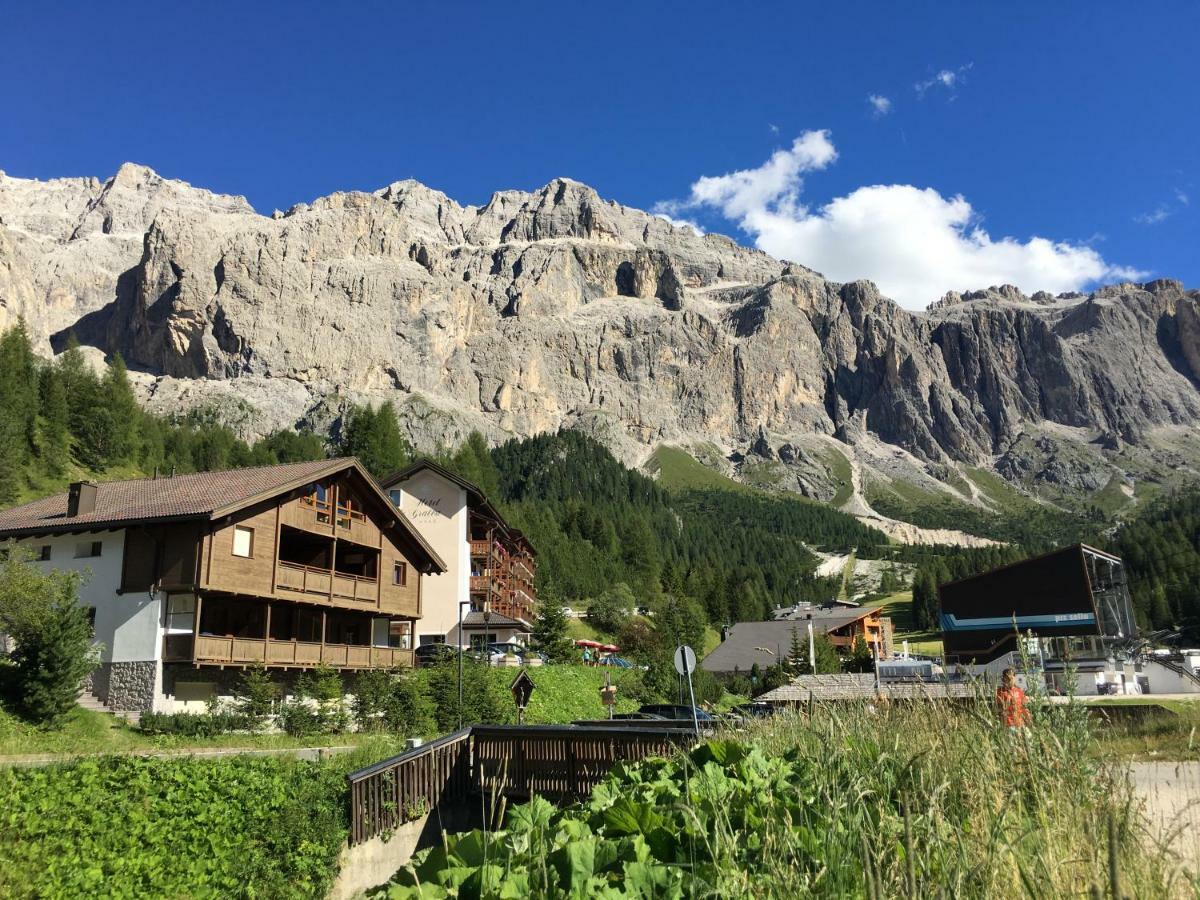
637	715
518	650
428	654
674	711
755	710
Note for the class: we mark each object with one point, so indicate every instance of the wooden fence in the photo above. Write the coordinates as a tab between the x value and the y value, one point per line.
559	762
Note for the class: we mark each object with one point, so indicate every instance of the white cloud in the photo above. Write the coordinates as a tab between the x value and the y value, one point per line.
1159	214
947	79
677	222
773	127
914	243
880	105
1182	197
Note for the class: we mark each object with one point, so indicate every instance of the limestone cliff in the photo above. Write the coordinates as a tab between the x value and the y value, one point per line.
557	307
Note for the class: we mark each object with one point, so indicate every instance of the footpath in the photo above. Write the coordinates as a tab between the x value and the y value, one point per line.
48	759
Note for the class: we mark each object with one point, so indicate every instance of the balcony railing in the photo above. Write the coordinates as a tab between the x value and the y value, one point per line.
484	584
317	580
254	651
323	509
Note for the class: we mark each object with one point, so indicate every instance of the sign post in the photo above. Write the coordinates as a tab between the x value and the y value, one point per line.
522	688
685	664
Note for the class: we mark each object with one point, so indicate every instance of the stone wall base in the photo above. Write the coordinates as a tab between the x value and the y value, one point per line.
126	685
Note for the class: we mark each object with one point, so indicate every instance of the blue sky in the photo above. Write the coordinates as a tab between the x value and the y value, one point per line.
1074	122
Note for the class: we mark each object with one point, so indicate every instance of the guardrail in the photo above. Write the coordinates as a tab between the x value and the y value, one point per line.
559	762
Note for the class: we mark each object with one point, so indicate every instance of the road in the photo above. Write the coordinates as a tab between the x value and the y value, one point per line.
1171	791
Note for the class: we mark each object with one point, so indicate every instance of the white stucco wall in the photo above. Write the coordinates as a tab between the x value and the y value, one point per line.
437	508
128	625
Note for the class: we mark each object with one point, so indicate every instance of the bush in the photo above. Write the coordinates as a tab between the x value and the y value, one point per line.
482	701
195	724
326	713
256	695
390	701
54	651
137	827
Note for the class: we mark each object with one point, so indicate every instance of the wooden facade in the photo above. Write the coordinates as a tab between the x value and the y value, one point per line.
313	577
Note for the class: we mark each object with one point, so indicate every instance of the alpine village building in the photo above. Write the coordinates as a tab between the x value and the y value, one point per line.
490	566
191	578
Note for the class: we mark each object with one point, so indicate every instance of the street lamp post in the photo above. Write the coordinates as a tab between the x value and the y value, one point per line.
461	604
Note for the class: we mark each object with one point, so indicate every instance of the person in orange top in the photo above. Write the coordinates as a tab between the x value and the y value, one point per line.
1013	706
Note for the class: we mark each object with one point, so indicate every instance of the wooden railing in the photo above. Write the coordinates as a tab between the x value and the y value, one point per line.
249	651
560	762
316	580
405	787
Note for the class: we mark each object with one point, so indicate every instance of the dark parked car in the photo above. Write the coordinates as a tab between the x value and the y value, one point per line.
755	710
637	715
428	654
672	711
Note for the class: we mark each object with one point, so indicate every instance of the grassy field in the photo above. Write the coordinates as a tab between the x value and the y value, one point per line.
842	473
898	607
86	731
679	471
564	693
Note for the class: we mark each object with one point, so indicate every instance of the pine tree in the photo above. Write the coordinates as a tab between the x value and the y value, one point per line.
550	628
797	652
18	408
55	440
124	414
373	436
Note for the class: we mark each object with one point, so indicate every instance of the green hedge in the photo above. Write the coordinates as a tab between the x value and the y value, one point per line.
135	827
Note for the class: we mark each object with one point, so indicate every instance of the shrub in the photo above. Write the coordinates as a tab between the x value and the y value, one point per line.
391	701
54	651
324	687
137	827
482	701
195	724
256	695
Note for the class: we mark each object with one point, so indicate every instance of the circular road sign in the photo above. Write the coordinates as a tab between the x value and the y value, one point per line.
685	660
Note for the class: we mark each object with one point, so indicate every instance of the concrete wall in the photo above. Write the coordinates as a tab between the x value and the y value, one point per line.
437	508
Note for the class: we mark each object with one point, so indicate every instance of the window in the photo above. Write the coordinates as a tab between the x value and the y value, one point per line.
88	549
44	553
243	541
181	613
395	495
400	574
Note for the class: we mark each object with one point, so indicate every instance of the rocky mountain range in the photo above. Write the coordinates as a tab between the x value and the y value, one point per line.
557	307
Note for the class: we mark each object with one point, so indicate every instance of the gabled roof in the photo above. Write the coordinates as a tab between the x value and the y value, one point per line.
768	643
477	500
199	496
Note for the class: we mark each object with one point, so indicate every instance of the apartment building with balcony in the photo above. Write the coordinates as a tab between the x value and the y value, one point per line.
193	576
491	567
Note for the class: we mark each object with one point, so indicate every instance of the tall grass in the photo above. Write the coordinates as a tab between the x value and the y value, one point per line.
906	800
938	800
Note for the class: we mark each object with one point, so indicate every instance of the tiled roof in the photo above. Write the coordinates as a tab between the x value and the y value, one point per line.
474	619
862	687
197	495
768	643
200	495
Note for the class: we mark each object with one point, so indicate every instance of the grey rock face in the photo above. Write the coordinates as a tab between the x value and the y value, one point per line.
556	307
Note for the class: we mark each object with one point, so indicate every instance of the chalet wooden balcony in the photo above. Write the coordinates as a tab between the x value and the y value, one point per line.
485	584
324	517
326	583
209	650
479	549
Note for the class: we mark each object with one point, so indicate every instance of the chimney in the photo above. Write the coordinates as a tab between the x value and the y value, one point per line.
81	500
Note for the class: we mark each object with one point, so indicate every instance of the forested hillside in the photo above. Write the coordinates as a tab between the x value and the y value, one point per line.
597	523
1161	549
